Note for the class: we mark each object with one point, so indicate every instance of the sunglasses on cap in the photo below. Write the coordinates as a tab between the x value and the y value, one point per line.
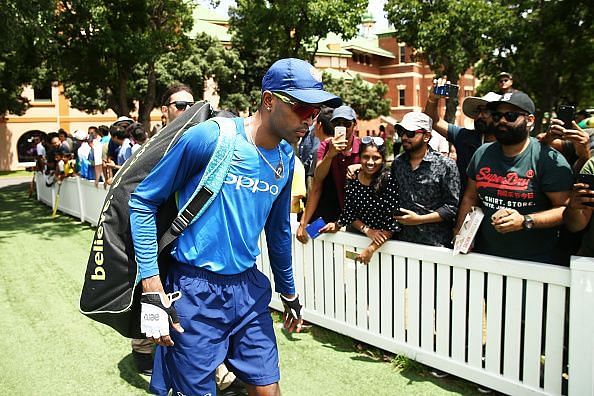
510	116
304	111
180	104
409	134
378	141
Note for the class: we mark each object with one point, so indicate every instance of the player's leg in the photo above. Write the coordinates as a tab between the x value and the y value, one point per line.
253	355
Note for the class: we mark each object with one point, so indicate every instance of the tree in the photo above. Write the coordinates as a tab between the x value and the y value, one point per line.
365	98
26	33
104	46
264	31
550	52
205	58
450	35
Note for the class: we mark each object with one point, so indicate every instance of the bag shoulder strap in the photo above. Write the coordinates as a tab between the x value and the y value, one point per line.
210	184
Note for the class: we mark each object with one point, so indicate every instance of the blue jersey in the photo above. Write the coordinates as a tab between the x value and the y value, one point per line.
225	238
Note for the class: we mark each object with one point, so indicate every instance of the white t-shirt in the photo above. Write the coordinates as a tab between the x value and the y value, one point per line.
98	151
40	149
439	143
84	150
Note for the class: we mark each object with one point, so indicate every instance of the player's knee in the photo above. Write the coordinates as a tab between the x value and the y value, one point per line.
266	390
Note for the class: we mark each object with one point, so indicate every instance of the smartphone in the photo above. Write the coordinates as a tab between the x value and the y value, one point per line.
589	180
449	90
313	229
566	114
351	255
339	130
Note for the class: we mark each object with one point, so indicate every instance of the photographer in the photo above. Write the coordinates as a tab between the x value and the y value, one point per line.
573	143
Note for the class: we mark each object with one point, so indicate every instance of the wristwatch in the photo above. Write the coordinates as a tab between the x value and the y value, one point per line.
528	223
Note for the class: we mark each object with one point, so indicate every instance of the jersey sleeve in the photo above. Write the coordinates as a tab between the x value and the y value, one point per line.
279	239
185	159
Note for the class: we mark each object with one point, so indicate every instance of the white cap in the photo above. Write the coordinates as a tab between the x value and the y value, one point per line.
80	135
472	102
416	120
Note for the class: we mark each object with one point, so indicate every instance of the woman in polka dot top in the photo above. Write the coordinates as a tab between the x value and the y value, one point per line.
371	198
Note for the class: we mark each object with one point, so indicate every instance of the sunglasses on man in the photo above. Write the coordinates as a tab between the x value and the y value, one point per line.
180	104
510	116
409	134
303	110
503	80
378	141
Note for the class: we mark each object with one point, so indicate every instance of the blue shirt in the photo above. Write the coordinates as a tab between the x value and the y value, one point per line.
225	238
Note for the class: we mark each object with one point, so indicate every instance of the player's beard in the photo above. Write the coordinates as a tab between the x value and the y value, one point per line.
508	135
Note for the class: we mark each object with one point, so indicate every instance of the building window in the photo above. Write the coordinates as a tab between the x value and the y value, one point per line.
402	54
42	92
401	96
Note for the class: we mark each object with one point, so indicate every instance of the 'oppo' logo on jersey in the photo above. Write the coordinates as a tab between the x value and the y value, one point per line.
251	184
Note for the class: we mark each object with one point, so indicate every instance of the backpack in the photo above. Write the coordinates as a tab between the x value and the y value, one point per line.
110	294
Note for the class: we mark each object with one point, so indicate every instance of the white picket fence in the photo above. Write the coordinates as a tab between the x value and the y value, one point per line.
498	322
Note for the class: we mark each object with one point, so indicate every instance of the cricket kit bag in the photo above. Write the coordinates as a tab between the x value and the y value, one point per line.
111	291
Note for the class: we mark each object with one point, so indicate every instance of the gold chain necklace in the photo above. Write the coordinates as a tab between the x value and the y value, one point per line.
280	169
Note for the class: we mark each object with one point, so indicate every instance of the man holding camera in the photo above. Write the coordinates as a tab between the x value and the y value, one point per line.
521	185
326	198
466	141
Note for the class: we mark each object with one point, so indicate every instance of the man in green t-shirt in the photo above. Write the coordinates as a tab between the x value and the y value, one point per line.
521	185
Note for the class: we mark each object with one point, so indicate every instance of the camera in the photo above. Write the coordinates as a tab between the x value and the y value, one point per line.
449	90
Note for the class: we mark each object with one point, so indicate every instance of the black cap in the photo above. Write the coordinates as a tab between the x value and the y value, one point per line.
518	99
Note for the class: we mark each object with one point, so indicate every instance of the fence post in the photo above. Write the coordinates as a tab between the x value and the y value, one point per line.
581	327
81	200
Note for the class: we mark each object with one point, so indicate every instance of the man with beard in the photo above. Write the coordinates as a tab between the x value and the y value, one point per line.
466	141
521	185
428	182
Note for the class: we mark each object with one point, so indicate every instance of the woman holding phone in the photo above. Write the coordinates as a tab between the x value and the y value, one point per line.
371	198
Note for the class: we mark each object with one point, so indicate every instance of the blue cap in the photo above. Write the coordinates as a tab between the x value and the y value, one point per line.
299	80
345	112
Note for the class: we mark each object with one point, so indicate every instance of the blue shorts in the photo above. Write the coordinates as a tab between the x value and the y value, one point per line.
226	319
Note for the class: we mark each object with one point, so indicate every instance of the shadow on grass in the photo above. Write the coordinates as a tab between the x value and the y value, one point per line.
129	373
20	214
413	371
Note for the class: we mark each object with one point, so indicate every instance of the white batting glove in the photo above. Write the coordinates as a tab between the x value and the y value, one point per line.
156	314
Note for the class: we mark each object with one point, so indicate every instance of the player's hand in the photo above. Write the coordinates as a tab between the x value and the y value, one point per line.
157	313
292	315
302	234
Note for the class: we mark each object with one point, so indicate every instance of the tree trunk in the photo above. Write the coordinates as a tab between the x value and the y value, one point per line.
147	104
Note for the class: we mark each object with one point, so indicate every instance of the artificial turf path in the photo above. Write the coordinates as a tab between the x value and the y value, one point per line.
48	348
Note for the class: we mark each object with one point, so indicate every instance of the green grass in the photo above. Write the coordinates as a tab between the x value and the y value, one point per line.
14	174
49	348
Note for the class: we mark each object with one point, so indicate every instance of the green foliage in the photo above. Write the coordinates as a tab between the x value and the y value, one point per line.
25	36
104	48
451	35
264	31
204	57
403	363
550	52
365	98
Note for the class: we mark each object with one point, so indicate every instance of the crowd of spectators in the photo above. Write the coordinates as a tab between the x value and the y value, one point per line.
525	184
95	154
